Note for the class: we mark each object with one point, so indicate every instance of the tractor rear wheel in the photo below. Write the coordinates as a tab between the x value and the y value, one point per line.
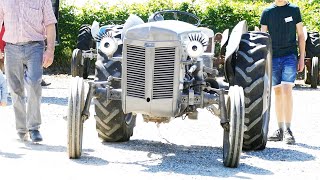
313	45
253	72
85	42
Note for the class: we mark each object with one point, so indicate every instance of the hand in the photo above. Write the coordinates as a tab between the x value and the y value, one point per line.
3	104
301	64
1	55
47	58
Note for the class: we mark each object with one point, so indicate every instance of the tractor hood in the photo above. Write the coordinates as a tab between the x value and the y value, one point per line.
168	30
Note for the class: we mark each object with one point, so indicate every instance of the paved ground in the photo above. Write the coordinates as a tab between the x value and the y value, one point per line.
181	149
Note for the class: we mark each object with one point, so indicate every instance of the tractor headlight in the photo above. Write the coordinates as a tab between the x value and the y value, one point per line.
195	49
109	46
198	42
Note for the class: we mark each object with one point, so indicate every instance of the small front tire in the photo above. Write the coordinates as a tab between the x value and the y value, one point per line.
233	136
75	120
314	72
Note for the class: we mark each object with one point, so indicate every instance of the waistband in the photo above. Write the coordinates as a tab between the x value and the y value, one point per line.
25	43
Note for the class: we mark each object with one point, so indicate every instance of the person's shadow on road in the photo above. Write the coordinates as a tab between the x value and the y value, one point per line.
10	155
280	154
85	159
188	160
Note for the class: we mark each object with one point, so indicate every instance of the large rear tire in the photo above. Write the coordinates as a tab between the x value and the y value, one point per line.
85	42
75	120
313	45
233	137
314	72
111	123
252	69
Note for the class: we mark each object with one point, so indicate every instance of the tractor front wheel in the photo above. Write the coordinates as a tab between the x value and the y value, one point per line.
233	136
75	120
314	72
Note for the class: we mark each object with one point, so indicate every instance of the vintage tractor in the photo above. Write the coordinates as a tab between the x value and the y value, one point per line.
312	71
162	70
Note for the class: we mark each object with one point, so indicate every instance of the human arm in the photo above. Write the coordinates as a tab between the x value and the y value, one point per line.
264	28
264	21
301	40
49	21
49	53
302	45
2	43
1	14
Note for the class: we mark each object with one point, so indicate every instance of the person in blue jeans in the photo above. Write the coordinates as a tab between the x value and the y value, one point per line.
283	22
3	90
28	24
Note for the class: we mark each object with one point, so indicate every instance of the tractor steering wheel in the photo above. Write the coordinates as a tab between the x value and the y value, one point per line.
176	15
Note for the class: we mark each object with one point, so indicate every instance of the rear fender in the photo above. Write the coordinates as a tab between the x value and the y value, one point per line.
233	46
225	37
224	42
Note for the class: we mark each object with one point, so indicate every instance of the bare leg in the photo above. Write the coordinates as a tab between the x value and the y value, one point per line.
287	104
279	108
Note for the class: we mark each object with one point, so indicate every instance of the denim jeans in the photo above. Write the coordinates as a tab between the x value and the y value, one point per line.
24	72
3	88
284	70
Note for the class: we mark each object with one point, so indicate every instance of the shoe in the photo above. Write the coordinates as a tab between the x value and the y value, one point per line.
23	136
44	83
288	137
276	136
35	136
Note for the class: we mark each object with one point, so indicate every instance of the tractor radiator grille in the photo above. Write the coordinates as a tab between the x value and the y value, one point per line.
135	71
163	77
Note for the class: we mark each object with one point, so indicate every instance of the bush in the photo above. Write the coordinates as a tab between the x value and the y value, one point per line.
215	14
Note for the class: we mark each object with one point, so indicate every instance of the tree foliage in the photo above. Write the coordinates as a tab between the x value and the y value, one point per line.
218	15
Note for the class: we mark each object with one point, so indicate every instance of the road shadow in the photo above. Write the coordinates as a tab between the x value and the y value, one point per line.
55	100
85	158
304	87
47	100
10	155
54	88
188	160
51	148
280	154
308	146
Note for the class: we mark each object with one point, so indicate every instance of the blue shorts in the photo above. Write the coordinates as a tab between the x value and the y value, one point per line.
284	70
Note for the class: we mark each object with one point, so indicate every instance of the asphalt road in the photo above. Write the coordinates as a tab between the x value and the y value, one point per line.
181	149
